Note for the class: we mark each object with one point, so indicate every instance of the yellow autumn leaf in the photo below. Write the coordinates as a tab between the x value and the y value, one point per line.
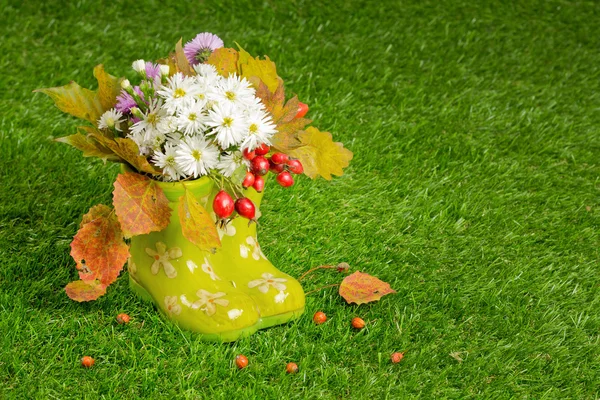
109	87
265	70
224	60
320	155
89	147
196	224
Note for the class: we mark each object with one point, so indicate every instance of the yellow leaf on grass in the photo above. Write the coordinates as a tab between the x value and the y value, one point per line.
196	224
320	155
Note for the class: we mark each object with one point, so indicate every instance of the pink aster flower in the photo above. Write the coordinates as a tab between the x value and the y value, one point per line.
152	71
125	101
201	47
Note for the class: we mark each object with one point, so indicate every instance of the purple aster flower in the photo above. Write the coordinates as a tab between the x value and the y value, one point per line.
125	101
152	71
201	47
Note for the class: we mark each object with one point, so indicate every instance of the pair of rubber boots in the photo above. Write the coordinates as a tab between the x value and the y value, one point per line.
222	296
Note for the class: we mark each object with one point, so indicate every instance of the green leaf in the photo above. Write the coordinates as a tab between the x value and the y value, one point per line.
196	224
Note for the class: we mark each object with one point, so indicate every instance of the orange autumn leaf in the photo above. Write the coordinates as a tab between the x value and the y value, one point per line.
224	60
196	224
363	288
85	290
98	247
320	155
140	204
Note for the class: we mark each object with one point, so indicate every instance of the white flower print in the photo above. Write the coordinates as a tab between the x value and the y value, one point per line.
172	305
227	230
252	247
234	314
132	267
281	296
206	302
191	265
162	256
206	267
268	280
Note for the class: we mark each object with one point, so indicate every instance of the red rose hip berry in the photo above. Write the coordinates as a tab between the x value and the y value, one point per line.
262	150
259	184
397	357
279	158
123	318
245	207
302	109
295	166
249	155
223	204
276	168
248	180
358	323
291	368
241	361
319	317
87	361
260	165
285	179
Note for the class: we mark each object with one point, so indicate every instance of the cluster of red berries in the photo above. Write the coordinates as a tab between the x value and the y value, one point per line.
278	163
260	165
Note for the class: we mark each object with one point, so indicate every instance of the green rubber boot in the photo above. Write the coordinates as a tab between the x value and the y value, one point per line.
222	296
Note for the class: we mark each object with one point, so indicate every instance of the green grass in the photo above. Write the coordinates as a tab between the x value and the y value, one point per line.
474	191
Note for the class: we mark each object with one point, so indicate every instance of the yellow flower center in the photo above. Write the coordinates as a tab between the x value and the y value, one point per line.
110	121
230	95
192	116
179	92
152	118
227	121
253	128
197	155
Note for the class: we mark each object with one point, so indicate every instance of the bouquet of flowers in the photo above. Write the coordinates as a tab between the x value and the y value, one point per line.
203	111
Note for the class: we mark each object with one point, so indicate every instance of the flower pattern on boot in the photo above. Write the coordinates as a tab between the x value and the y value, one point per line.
251	247
206	302
162	256
267	281
206	267
172	305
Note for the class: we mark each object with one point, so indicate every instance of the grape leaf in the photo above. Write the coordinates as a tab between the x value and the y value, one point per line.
265	70
363	288
98	247
181	61
225	60
84	103
320	155
140	204
196	224
89	147
85	290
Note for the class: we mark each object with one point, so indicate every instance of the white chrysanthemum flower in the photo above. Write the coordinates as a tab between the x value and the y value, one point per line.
260	129
167	162
139	66
191	119
167	125
196	156
235	90
206	71
229	162
111	119
228	123
206	90
164	69
179	92
150	122
157	140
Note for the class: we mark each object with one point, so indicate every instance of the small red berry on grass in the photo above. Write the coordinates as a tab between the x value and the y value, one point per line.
291	368
123	318
241	361
223	204
249	155
302	109
87	361
259	184
397	357
262	150
285	179
295	166
260	165
248	180
358	323
245	207
279	158
319	317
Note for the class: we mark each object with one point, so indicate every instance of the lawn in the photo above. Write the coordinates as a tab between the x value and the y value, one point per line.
474	191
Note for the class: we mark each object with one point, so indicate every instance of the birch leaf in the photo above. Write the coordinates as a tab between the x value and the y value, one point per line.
85	290
363	288
196	224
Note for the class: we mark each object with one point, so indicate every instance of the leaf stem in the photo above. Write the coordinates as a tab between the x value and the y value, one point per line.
310	271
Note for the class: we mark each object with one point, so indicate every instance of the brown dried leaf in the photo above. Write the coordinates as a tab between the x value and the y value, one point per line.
196	224
362	288
98	247
181	61
140	204
85	290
